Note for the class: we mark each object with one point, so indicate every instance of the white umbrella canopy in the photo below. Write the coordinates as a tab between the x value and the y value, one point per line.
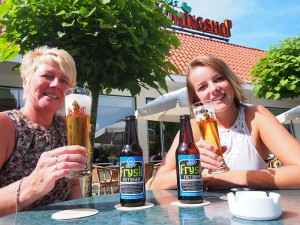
167	107
289	115
111	135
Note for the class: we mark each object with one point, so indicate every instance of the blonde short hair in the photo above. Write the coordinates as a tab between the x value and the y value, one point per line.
222	68
44	54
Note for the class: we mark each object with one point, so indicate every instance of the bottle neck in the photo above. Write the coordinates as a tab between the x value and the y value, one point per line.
186	134
131	137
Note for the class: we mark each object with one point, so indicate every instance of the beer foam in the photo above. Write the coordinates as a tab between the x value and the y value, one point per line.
82	100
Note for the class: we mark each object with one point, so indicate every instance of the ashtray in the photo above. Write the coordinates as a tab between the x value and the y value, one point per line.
255	205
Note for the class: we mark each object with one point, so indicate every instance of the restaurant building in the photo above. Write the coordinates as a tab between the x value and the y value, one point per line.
198	36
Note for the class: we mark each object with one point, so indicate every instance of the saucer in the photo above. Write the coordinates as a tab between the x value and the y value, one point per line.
121	208
177	203
74	213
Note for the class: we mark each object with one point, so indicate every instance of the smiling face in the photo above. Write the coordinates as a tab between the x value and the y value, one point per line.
45	89
210	78
208	84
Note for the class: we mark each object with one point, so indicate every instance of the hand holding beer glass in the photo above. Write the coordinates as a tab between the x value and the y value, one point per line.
205	116
78	103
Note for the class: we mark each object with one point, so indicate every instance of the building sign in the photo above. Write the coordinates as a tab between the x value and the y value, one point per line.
199	24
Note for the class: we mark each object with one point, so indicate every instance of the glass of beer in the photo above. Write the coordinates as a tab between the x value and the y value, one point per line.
205	116
78	103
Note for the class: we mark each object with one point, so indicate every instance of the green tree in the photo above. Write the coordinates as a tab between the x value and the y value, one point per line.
117	44
277	74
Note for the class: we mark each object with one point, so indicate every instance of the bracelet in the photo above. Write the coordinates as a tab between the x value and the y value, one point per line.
18	194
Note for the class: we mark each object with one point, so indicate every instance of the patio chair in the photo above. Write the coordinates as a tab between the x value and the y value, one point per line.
105	178
156	167
149	167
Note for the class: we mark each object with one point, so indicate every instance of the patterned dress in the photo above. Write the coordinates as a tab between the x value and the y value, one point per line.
31	141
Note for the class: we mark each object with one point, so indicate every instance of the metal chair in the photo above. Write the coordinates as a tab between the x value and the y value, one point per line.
105	178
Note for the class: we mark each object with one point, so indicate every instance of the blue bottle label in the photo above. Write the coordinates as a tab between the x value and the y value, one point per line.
132	183
190	179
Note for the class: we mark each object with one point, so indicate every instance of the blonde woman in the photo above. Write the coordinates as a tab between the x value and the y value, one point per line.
247	133
34	160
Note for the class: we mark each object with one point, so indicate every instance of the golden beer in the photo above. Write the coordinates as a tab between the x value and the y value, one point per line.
78	129
78	102
204	113
209	132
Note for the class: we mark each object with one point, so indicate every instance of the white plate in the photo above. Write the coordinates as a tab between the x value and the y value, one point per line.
178	203
146	206
74	213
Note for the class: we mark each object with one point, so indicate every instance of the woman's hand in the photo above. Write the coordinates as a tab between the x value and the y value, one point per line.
209	158
54	165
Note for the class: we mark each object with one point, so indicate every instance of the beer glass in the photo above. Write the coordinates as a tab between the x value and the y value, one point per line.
205	116
78	103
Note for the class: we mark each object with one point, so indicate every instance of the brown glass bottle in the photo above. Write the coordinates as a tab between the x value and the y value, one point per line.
132	181
188	167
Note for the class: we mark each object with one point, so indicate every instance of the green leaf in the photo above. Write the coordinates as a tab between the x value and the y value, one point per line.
274	75
64	24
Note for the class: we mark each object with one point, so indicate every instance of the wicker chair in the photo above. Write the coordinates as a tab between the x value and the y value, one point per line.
149	167
105	178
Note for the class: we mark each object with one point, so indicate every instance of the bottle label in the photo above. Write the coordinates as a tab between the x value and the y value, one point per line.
132	185
190	178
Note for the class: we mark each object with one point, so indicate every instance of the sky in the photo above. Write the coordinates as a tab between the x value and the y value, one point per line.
255	23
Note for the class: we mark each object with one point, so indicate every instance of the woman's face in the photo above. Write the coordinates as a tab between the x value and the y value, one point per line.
46	87
210	85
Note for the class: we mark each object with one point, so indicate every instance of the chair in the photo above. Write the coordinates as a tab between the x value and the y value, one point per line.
105	178
156	167
150	179
149	167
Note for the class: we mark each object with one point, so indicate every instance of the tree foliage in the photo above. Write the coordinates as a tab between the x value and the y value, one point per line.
277	74
122	42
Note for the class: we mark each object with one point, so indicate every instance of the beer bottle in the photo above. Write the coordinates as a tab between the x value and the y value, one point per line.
188	168
132	181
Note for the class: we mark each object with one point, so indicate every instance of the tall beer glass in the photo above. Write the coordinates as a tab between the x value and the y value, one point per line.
78	103
205	116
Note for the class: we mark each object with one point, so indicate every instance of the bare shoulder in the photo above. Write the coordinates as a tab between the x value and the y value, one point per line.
258	112
5	122
256	108
7	137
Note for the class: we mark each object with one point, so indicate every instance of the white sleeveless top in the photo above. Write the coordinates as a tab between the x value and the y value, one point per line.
241	153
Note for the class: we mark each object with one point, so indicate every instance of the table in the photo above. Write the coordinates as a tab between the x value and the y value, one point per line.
102	164
162	213
113	166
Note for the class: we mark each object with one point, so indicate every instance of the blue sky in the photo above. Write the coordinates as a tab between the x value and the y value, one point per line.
256	23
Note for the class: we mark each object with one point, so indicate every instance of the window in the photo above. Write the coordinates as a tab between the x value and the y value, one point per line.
109	129
112	109
10	98
161	135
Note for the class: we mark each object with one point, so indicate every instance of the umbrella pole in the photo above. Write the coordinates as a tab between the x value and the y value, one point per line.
162	138
292	129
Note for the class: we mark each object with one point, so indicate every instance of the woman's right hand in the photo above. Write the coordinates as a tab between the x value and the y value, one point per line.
54	165
208	156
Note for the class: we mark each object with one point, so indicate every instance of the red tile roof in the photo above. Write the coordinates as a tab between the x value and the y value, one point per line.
240	59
